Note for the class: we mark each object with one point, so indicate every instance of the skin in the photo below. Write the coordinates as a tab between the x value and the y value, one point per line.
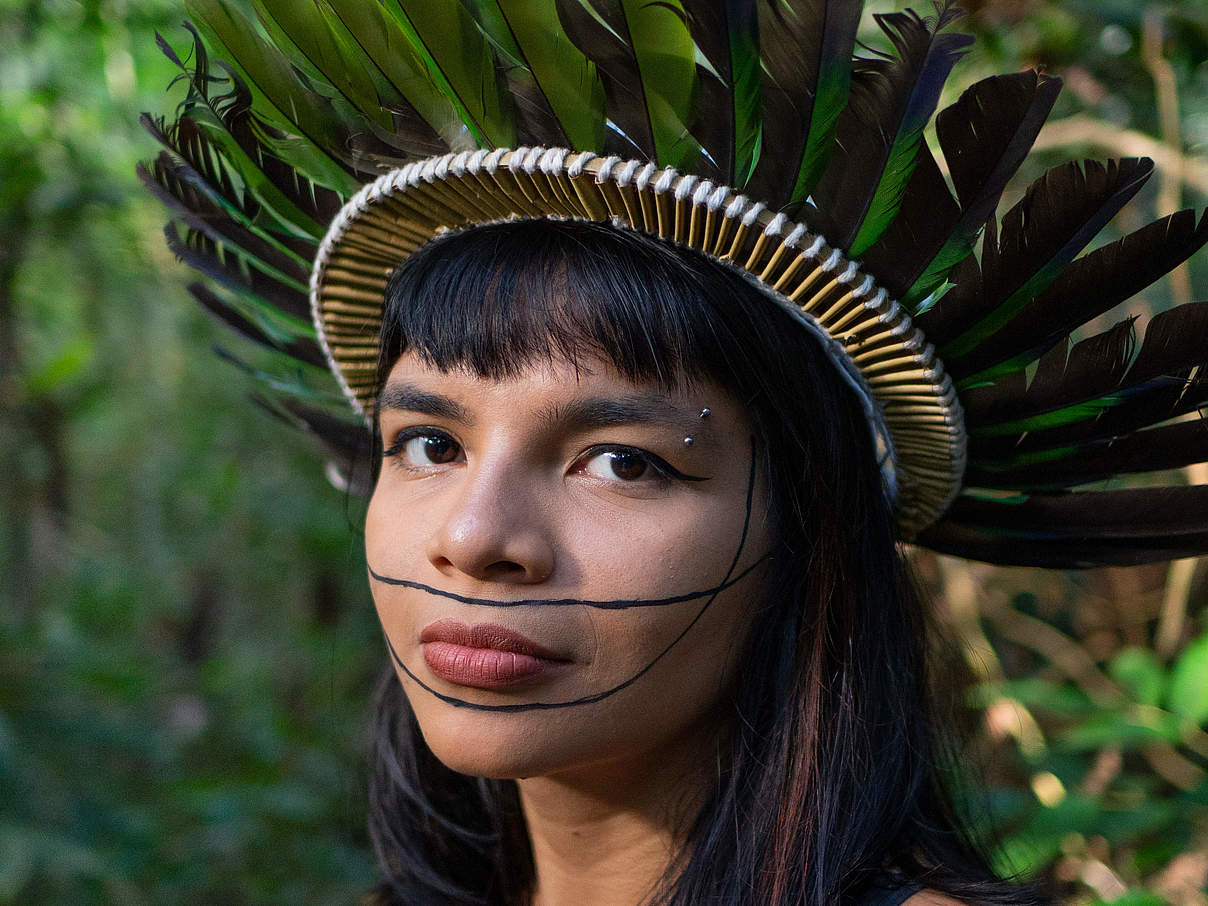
494	489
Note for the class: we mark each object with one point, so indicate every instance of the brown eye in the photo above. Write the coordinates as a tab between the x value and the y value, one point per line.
438	449
627	466
425	447
619	465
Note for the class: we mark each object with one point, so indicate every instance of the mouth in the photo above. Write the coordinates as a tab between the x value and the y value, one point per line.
486	656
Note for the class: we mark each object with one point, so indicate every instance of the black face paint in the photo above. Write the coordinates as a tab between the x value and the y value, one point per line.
710	594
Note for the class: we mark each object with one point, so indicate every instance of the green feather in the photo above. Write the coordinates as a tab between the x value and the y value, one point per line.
286	103
325	55
666	58
747	81
830	97
459	60
1054	419
560	71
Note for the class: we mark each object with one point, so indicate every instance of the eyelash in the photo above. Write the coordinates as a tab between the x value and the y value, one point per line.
663	470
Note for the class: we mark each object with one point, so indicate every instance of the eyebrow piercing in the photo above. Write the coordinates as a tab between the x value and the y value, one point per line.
704	413
687	441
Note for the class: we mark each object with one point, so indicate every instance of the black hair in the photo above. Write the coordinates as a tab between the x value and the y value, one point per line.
839	769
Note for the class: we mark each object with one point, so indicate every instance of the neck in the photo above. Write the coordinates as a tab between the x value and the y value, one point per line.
607	835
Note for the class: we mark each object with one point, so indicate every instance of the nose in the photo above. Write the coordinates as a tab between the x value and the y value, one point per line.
493	530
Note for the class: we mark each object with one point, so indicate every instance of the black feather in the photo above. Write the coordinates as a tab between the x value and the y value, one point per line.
806	49
726	33
892	98
1093	368
1167	379
1090	286
606	43
1126	513
985	136
1061	212
199	251
979	543
1167	447
348	444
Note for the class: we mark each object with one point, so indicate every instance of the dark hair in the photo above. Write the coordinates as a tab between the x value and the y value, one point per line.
836	771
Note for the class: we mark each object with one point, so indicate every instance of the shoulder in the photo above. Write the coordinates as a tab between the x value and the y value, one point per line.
932	898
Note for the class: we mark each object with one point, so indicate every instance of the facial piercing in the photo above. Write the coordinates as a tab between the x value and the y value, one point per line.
704	413
687	441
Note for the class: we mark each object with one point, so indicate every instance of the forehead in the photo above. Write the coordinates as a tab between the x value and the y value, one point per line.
589	390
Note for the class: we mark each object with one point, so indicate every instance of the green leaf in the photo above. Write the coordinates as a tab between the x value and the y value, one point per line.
1132	729
1189	683
1140	672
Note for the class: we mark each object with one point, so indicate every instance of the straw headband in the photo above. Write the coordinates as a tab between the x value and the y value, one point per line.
909	399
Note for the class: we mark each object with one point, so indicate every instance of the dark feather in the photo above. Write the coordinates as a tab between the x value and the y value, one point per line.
644	54
557	95
1167	379
200	252
1093	369
1127	513
1090	286
976	542
185	192
985	136
806	48
925	218
601	33
1060	213
879	132
1167	447
727	121
348	444
304	349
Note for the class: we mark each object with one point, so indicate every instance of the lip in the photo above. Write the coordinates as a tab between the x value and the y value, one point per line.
486	656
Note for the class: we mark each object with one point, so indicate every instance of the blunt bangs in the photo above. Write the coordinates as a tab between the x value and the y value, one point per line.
496	299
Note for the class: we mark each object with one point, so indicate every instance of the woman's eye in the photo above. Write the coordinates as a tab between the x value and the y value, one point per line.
424	448
622	465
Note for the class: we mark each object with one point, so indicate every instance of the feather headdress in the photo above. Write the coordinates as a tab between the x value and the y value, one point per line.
337	136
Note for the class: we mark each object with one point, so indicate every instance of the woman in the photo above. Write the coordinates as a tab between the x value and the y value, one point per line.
747	695
657	397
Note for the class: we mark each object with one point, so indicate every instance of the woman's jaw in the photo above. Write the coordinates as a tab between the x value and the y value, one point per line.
562	580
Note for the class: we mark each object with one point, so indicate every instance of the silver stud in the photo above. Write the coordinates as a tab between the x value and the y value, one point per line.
687	441
704	413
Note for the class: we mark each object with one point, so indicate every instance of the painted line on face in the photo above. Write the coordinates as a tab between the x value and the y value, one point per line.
600	696
619	604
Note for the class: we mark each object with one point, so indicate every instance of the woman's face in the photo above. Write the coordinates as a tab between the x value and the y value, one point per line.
563	578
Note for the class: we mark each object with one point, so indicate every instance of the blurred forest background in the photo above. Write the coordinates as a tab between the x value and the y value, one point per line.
187	646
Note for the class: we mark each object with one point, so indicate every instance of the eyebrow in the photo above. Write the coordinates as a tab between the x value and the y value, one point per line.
604	412
409	398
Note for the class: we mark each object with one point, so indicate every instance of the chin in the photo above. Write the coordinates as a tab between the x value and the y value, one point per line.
504	746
